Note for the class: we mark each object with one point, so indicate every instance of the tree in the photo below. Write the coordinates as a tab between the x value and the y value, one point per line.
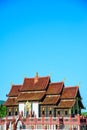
2	111
84	114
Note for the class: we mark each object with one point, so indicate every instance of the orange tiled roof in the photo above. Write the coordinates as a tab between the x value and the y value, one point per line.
55	88
14	90
31	96
11	102
30	84
69	92
66	103
50	100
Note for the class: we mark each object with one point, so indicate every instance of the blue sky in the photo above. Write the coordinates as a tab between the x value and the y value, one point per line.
48	36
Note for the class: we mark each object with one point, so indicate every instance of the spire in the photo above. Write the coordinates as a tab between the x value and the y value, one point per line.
36	74
36	78
78	84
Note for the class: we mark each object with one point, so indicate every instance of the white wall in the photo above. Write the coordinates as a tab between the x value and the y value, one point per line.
21	107
35	108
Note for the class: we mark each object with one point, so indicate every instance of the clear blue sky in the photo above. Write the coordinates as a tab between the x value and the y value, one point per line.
48	36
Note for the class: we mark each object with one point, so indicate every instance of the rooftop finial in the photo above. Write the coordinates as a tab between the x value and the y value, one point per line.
36	74
79	84
11	83
64	79
36	78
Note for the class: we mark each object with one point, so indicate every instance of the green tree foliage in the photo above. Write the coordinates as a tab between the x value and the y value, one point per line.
84	114
2	111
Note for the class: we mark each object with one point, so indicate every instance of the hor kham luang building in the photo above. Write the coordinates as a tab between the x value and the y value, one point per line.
38	95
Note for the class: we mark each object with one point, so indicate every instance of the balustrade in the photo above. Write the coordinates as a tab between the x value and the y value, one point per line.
46	123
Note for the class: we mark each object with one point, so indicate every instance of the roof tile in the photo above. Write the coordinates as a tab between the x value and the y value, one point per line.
14	90
55	88
69	92
11	102
31	85
50	100
66	103
31	96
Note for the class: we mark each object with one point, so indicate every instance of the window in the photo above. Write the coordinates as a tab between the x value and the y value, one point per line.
58	112
9	113
12	111
16	113
50	112
66	112
76	111
43	112
71	111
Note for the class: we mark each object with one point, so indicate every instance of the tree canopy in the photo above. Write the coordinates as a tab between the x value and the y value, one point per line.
2	111
84	113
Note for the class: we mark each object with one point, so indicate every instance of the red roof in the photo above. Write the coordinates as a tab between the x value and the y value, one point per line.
40	89
33	84
66	103
55	88
31	96
14	90
11	102
69	92
50	100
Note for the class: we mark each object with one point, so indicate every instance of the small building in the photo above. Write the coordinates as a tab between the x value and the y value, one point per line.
38	95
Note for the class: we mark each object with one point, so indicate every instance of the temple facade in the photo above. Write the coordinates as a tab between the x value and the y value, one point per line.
39	96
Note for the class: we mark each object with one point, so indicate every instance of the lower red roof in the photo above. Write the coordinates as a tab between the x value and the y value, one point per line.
55	88
69	92
14	90
51	100
31	96
11	102
66	103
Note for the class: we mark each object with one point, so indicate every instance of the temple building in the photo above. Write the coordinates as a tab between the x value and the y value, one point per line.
38	95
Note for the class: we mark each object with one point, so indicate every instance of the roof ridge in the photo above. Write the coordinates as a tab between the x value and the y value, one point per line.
38	77
71	86
14	85
56	82
52	95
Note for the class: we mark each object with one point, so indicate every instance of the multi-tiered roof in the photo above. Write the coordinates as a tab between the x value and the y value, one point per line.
40	89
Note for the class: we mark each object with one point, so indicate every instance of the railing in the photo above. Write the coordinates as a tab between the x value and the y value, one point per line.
45	123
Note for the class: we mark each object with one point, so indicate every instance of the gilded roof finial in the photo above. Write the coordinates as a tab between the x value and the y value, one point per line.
36	78
64	79
11	83
36	74
78	84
